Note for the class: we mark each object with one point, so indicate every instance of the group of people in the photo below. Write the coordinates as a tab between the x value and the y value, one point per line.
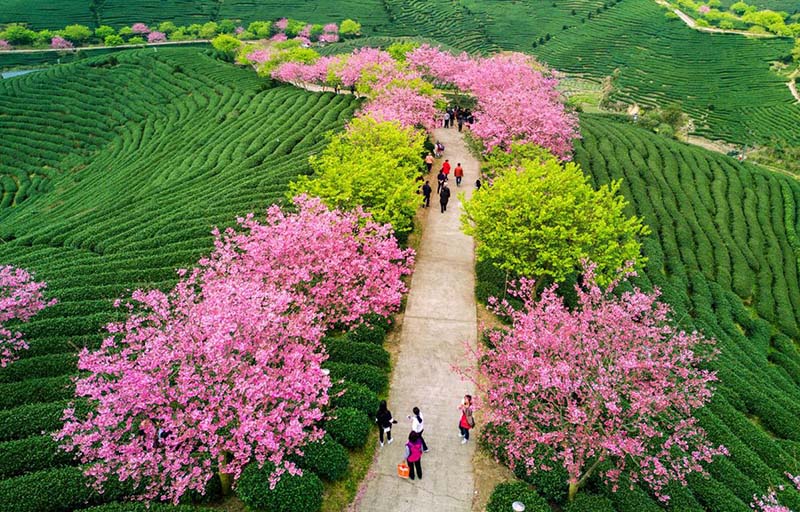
442	178
416	444
455	116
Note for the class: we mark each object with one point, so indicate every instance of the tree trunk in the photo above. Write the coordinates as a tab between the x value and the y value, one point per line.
227	481
573	490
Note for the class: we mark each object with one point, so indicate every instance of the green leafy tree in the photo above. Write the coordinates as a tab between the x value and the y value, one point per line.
167	27
260	28
180	35
316	30
246	36
136	40
227	26
289	51
77	33
226	43
294	27
193	29
796	51
103	31
373	164
113	40
43	37
350	28
125	32
741	8
208	30
398	51
17	34
541	219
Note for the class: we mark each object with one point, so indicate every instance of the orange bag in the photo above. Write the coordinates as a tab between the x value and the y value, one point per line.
402	470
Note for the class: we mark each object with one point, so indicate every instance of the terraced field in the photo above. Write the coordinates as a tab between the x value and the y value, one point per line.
714	76
113	172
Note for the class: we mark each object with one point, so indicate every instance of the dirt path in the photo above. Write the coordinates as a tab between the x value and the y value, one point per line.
121	46
439	319
793	85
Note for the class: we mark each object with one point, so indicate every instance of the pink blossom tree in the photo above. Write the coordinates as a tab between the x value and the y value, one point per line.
20	299
59	43
156	37
226	368
331	28
610	381
768	503
281	24
4	45
704	9
140	28
403	104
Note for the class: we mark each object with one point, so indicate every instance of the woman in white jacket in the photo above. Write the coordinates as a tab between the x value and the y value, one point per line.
418	426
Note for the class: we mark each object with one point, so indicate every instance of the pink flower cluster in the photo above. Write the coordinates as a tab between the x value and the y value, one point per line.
282	24
140	28
768	503
329	38
225	369
277	38
610	380
260	56
516	99
238	30
390	97
4	45
59	43
704	9
156	37
20	299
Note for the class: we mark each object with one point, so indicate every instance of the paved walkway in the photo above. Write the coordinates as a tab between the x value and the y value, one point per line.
440	317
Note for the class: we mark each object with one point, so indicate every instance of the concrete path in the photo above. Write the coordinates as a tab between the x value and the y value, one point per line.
440	318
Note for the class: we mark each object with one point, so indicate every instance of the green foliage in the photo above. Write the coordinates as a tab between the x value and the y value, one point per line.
373	378
227	26
399	50
550	484
542	219
590	503
77	33
103	31
367	333
350	427
326	458
226	43
349	28
208	30
343	350
374	164
17	34
260	28
355	396
146	507
796	51
289	51
294	27
113	40
31	454
506	493
291	493
167	27
136	40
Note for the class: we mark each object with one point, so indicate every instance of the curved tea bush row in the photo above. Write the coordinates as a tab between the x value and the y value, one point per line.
146	153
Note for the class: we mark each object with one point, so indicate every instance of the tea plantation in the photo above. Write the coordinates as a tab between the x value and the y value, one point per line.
122	164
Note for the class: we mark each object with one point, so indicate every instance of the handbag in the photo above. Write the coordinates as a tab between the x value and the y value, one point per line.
470	419
402	470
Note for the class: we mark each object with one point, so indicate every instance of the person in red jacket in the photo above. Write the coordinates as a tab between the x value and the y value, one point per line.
467	422
459	173
446	167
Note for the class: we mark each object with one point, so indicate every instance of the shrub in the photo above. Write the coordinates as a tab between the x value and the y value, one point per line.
291	493
374	378
326	458
114	40
349	426
31	454
368	334
507	493
550	484
145	507
343	350
356	396
590	503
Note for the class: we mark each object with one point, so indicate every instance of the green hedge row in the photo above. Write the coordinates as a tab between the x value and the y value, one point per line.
31	454
292	493
355	396
506	493
33	419
49	389
350	427
52	365
342	350
326	458
374	378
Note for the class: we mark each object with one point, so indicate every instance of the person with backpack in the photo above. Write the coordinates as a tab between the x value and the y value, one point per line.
414	455
426	194
467	421
458	172
418	426
444	197
384	420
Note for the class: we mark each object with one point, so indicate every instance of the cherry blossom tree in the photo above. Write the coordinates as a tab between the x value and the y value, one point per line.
140	28
20	299
768	503
403	104
225	369
156	37
59	43
4	45
610	381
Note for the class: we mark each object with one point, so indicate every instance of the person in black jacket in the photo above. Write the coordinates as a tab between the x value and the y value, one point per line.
384	420
426	194
441	179
444	197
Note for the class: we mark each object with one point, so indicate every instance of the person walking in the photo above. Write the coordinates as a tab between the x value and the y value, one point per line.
418	426
444	197
426	194
467	421
441	178
429	162
460	122
446	167
384	420
414	455
458	172
447	119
